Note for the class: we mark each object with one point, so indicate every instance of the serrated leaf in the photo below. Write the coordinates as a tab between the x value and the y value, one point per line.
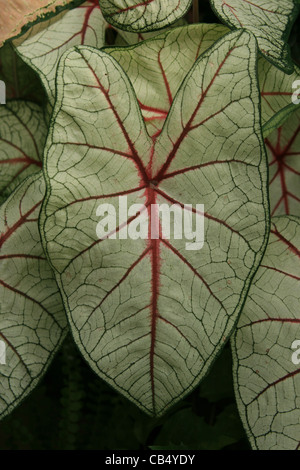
283	148
32	317
43	45
150	316
145	15
269	20
267	381
20	80
22	137
19	15
276	93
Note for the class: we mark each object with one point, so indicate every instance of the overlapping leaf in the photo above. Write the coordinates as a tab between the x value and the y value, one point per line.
148	315
276	93
159	60
267	380
22	137
43	45
283	148
17	15
32	318
269	20
145	15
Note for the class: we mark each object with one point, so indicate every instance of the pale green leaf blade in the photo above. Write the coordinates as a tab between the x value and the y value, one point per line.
277	93
145	15
283	148
148	315
32	317
267	381
43	45
22	137
166	59
269	20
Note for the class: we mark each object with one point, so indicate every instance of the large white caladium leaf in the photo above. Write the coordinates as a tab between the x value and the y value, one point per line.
17	15
32	317
43	45
145	15
22	137
159	60
150	314
283	148
266	362
277	89
269	20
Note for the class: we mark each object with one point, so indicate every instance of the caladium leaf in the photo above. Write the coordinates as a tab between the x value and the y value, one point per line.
19	15
22	137
270	21
32	318
267	379
20	80
283	148
145	15
43	45
159	60
276	92
149	315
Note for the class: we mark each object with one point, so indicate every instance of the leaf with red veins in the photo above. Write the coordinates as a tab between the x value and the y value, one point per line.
22	137
43	45
19	15
143	15
166	60
269	20
147	314
32	318
283	148
267	380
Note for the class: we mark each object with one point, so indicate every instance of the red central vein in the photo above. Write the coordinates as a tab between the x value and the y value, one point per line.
167	85
273	384
188	126
281	272
270	319
14	227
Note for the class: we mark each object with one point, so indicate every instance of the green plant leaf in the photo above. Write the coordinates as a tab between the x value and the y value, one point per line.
267	382
43	45
150	316
146	15
276	92
270	21
20	80
18	15
22	137
283	148
32	317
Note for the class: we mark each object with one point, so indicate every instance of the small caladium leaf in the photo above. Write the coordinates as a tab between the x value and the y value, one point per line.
43	45
17	16
269	20
32	317
20	80
148	312
266	363
283	148
145	15
22	137
276	93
